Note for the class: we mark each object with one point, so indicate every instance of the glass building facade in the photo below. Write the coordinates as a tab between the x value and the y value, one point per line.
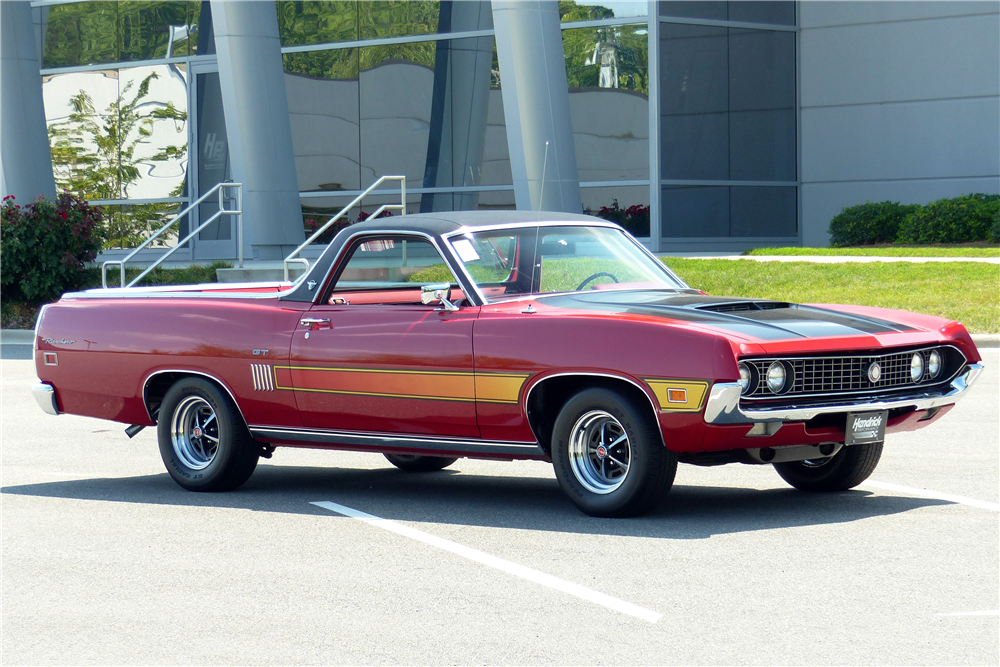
684	114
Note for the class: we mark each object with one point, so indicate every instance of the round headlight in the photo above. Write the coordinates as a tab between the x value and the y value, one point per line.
934	364
775	377
916	367
744	378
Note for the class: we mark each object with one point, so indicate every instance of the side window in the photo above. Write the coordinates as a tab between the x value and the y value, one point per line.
389	269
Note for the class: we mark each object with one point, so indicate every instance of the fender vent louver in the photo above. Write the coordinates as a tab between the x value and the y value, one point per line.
742	306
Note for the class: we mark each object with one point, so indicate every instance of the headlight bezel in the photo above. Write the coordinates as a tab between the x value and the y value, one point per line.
917	367
932	372
777	368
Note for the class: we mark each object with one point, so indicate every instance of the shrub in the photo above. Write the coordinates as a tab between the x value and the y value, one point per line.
634	219
955	220
871	222
44	245
995	228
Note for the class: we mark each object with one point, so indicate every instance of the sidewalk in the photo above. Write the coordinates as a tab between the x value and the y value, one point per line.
828	259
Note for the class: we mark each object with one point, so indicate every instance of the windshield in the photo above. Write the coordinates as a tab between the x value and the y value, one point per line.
541	260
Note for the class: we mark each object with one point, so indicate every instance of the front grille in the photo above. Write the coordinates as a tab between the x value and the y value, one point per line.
845	374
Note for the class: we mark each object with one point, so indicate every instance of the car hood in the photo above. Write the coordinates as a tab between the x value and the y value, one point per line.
752	318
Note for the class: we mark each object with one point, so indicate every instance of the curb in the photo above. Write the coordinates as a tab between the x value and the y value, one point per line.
986	340
17	336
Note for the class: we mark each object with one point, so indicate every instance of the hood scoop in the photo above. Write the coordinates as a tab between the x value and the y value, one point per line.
744	306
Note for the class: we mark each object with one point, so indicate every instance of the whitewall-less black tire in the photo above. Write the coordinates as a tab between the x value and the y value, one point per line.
204	443
608	455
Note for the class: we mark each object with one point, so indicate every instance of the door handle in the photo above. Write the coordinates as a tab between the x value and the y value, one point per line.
314	323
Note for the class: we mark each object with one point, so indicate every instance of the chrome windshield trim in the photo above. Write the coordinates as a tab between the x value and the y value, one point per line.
723	406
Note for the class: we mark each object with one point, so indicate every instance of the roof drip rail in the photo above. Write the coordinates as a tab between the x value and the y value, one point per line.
401	206
219	188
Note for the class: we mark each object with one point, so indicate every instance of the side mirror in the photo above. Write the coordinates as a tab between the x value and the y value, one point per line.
437	292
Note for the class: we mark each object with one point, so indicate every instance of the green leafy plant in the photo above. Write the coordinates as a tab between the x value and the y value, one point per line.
952	220
995	228
44	246
94	156
871	222
635	218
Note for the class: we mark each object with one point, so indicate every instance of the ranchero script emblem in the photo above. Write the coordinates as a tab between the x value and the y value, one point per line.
874	372
52	341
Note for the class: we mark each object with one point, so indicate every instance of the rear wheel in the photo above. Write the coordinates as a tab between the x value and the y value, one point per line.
414	463
609	457
203	441
844	470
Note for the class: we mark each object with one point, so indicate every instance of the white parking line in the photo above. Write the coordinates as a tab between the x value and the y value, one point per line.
498	563
972	502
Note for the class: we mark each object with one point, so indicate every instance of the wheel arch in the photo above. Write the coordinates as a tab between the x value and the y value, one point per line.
543	406
158	383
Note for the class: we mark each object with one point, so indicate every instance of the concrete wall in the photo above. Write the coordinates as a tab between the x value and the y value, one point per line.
899	101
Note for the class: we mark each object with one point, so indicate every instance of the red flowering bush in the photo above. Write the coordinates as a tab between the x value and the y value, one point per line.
635	218
44	245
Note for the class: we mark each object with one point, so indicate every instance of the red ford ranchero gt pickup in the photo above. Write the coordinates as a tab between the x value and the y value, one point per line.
501	335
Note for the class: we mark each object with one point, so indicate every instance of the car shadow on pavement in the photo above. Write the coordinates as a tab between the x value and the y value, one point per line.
525	503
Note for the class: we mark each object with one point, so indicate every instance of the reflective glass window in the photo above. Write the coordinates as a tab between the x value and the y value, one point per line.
607	70
320	22
721	211
90	33
324	108
625	205
580	10
727	103
119	134
774	12
398	18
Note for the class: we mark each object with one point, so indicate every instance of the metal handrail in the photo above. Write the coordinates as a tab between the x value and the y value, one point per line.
401	206
219	187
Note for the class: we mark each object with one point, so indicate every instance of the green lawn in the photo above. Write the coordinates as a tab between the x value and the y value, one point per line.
964	291
888	251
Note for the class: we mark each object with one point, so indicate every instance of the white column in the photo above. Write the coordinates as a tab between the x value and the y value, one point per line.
25	160
536	106
260	134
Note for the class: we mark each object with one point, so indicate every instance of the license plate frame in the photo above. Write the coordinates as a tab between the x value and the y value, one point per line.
865	428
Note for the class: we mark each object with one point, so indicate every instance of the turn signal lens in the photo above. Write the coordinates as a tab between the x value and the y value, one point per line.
916	367
775	377
934	364
744	378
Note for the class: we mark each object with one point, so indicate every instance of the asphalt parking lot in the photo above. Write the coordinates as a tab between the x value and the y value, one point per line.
107	561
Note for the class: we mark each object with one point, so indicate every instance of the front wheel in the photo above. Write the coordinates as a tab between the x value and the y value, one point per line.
844	470
203	441
414	463
608	455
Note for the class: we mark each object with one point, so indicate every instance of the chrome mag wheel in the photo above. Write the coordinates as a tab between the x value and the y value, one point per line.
599	452
194	432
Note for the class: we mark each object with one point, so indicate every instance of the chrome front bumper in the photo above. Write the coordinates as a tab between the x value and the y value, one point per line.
45	394
724	403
